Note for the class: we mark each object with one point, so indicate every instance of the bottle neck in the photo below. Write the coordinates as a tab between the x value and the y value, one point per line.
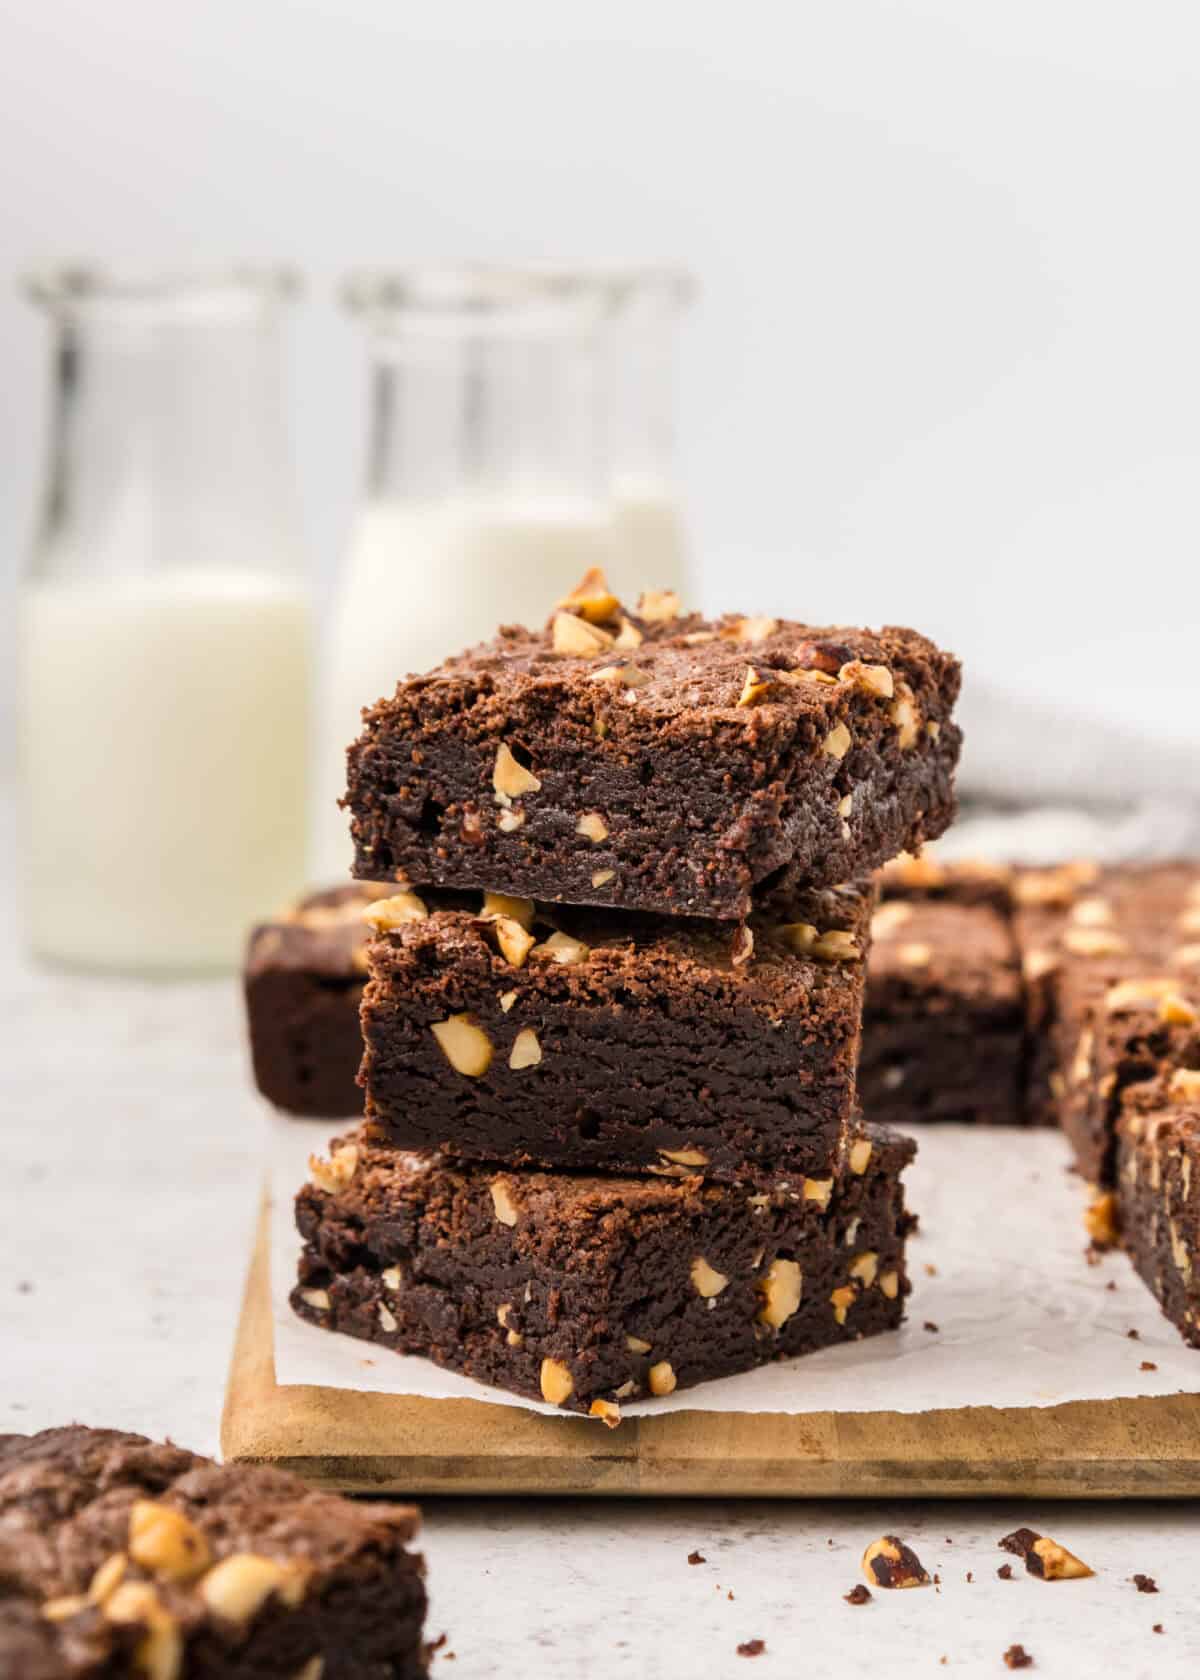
168	446
486	418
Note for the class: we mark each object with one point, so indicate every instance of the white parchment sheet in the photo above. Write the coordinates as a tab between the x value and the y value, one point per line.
997	1265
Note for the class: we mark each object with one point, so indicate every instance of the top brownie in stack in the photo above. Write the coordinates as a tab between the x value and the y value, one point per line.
657	762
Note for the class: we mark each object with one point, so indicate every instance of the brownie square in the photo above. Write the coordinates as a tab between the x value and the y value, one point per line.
582	1039
588	1290
657	762
303	982
121	1557
1112	966
1158	1193
944	1019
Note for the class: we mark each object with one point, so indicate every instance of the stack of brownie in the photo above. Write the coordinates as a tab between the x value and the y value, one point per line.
613	999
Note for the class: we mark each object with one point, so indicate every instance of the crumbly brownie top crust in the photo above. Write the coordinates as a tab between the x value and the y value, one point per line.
115	1549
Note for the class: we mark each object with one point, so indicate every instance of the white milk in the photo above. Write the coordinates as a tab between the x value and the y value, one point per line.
651	540
164	745
420	584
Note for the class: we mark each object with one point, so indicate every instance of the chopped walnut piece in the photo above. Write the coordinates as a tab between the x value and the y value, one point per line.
661	1378
317	1299
1184	1085
1138	994
842	1299
626	676
509	821
685	1157
1092	912
591	598
706	1280
818	1190
889	1562
629	636
393	912
607	1411
1176	1011
837	945
1035	965
915	954
237	1588
502	1202
865	1267
1044	1557
465	1046
837	742
780	1291
109	1576
1094	942
507	999
860	1155
560	948
592	826
889	917
741	947
158	1654
904	715
749	629
889	1284
335	1174
754	688
576	636
509	779
514	943
165	1542
601	877
658	606
872	679
387	1318
390	1278
556	1382
519	910
526	1050
1100	1220
635	1344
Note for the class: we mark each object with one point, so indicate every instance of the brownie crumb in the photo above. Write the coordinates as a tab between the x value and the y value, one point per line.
1134	1335
1147	1365
1157	1628
858	1595
930	1269
1145	1583
970	1577
1005	1572
728	1595
930	1325
24	1287
697	1557
751	1648
1111	1285
1017	1657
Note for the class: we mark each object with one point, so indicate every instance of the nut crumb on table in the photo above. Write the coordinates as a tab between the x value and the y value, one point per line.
890	1562
1044	1557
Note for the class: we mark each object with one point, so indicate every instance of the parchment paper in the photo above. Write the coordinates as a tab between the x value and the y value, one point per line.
998	1265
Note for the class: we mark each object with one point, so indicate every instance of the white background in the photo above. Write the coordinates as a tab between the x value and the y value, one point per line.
945	365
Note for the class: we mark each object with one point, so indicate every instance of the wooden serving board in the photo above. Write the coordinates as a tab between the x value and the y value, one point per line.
382	1443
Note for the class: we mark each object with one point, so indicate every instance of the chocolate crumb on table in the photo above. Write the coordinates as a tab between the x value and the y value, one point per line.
584	1291
1005	1572
122	1556
657	761
751	1648
1017	1657
697	1557
533	1035
303	980
944	1020
858	1594
1145	1583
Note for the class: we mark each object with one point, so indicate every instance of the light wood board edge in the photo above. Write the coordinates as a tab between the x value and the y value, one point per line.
380	1443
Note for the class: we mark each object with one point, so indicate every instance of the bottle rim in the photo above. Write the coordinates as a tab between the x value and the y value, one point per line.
493	289
69	287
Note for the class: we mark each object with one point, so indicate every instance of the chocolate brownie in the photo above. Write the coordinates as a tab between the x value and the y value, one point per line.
586	1290
943	1024
121	1556
303	981
597	1040
1112	967
1158	1192
657	762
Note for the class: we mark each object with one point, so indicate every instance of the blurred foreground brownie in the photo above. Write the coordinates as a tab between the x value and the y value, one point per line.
944	1019
1158	1193
303	981
654	761
586	1291
523	1034
122	1557
1111	960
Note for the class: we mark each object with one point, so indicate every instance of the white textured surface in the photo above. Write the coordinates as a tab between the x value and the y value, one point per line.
998	1265
130	1180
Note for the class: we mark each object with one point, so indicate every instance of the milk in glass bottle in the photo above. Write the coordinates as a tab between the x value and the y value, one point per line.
487	483
643	351
164	634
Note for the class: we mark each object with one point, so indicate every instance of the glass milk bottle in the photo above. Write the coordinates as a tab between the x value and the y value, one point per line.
164	637
487	483
643	370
